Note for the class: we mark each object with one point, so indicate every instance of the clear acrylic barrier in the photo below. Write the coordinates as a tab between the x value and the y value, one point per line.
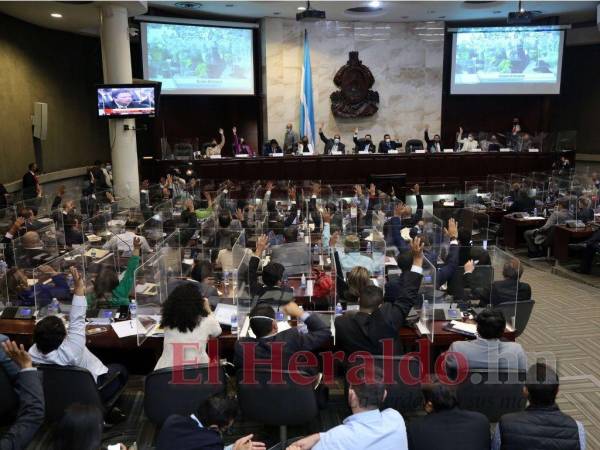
53	280
507	269
427	294
150	292
35	247
95	230
433	233
500	194
152	231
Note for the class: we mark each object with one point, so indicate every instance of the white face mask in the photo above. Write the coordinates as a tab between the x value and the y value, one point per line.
470	138
300	147
336	141
388	140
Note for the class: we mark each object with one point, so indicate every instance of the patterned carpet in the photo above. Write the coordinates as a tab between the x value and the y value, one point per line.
566	322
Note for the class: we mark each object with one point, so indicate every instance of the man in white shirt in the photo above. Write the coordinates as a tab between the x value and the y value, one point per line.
367	428
469	144
123	242
52	344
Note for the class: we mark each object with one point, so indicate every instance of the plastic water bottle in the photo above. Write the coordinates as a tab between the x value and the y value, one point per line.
133	310
338	309
303	282
424	310
535	212
279	316
90	228
234	324
53	307
369	247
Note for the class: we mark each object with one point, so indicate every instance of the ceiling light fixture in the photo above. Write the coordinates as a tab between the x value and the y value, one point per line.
301	8
374	4
56	15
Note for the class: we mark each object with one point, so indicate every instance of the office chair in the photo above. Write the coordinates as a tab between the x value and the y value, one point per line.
493	393
183	151
164	397
413	144
65	385
10	400
279	405
521	309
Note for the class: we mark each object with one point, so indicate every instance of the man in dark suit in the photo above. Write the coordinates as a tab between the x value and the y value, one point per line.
433	145
446	425
584	212
30	183
270	291
510	289
263	324
17	364
204	429
331	144
122	99
376	320
360	145
523	203
388	144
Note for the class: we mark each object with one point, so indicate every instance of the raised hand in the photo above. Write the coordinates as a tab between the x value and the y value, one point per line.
220	130
79	285
18	354
239	214
452	230
326	216
261	244
246	443
469	266
292	309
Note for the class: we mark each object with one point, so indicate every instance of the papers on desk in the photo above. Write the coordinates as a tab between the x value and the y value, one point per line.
93	238
422	328
96	253
246	331
242	155
393	152
336	152
126	328
469	329
45	220
450	204
188	261
146	289
533	218
224	312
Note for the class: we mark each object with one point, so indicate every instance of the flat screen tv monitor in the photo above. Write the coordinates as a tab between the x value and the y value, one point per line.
127	100
202	59
507	60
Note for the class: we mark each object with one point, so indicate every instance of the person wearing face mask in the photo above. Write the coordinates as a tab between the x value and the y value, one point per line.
388	144
304	147
290	140
361	145
213	148
433	145
468	144
240	146
332	145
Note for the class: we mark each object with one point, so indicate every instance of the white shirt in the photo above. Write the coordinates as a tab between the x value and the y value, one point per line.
124	242
72	351
192	354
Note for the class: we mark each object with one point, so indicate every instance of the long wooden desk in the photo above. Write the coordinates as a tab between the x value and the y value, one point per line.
514	229
448	168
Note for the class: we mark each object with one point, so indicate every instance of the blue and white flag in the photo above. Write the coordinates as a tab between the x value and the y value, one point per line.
307	113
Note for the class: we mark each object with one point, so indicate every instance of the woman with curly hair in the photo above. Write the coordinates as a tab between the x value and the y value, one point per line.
186	319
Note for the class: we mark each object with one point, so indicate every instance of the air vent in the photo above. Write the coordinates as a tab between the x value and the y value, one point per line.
363	10
188	5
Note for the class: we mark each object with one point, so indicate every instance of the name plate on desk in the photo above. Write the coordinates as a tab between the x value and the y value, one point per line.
505	149
242	155
363	152
534	150
276	154
448	150
421	151
336	153
392	152
215	156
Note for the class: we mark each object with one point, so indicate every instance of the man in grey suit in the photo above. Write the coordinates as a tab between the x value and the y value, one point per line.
558	217
487	351
290	140
16	362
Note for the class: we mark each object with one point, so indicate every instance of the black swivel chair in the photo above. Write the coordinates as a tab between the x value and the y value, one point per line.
163	397
492	393
10	401
517	313
283	404
413	144
65	385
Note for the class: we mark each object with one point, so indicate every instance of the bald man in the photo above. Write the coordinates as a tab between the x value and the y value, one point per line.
32	253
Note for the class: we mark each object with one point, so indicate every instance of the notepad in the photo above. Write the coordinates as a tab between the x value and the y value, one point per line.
469	328
125	328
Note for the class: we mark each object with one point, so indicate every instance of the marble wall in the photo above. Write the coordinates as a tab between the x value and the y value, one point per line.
406	60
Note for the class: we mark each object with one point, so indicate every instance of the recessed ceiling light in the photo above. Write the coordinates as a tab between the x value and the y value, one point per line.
229	5
56	15
374	4
404	17
497	12
441	17
301	8
276	13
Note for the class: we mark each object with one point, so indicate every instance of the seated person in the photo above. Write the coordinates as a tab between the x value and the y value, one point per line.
123	242
186	319
478	277
375	320
523	203
542	425
264	327
584	212
460	429
271	290
558	217
52	344
240	146
272	147
27	382
510	289
44	292
305	147
363	145
214	148
368	428
202	272
205	428
357	279
404	218
388	144
468	144
590	248
331	145
73	232
107	285
32	252
487	351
